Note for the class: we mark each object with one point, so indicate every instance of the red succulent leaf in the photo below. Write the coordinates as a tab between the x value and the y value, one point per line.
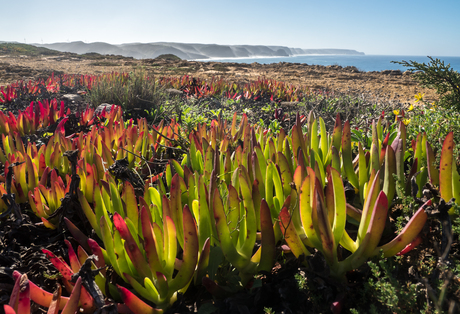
54	305
63	268
73	259
60	126
135	304
97	250
411	246
131	247
8	309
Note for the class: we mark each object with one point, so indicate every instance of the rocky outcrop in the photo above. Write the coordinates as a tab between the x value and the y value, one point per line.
392	72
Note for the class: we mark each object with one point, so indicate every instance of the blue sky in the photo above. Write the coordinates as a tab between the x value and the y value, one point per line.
404	27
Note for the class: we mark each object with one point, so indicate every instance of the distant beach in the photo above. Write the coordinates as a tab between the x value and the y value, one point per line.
361	62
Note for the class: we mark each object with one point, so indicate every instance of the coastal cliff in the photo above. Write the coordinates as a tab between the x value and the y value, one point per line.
189	51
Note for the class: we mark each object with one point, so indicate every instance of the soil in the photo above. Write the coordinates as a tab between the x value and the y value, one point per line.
389	85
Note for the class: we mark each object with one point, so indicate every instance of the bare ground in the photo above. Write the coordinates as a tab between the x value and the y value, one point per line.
384	85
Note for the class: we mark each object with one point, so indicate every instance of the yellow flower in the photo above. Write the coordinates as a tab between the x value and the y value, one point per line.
406	121
419	97
396	113
411	107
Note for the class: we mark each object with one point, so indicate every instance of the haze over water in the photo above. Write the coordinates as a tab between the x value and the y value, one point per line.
362	62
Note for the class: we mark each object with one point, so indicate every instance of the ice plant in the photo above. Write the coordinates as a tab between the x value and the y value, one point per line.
318	147
347	156
149	266
133	142
37	115
25	176
237	187
25	291
236	224
323	216
8	94
43	200
20	297
90	271
420	146
256	89
449	179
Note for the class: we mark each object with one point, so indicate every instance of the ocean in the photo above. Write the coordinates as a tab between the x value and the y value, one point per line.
362	62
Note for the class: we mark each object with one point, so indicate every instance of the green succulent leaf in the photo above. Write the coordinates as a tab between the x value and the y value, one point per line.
190	252
268	249
346	155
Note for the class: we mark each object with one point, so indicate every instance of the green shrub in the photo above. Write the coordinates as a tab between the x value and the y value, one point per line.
384	293
439	76
138	95
436	122
168	56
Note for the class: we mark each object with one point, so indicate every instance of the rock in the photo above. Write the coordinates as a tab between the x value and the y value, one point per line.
102	107
72	97
174	92
351	69
392	72
407	72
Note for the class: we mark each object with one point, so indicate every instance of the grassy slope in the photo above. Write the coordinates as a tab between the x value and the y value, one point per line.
25	50
17	49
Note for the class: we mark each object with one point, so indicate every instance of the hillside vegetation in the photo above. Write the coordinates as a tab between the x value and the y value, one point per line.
26	50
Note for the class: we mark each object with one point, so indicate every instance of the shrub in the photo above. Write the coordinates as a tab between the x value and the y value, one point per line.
439	76
168	56
436	122
138	94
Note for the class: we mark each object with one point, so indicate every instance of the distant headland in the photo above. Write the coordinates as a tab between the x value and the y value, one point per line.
189	51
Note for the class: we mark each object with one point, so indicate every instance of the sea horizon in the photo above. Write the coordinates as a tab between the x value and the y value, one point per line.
366	63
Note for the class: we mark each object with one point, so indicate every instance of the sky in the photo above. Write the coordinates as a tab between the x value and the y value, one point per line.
382	27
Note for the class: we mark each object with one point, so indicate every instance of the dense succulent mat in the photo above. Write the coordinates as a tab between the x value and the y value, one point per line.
150	217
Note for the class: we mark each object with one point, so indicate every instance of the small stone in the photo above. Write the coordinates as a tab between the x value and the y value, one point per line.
72	97
174	92
102	107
